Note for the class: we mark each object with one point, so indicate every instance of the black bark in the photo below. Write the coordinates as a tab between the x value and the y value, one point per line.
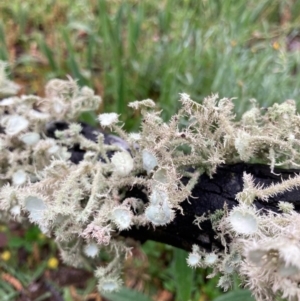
209	195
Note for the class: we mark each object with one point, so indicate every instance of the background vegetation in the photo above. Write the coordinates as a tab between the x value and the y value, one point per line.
128	50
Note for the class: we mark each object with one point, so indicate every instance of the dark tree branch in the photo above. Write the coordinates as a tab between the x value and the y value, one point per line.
209	195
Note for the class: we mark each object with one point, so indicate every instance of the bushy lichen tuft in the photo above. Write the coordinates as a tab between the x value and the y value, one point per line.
83	206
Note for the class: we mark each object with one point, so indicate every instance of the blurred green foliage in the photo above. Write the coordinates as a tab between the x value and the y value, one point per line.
130	50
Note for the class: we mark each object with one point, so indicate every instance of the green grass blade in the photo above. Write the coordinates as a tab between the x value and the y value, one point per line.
237	295
126	294
71	60
184	276
3	47
49	55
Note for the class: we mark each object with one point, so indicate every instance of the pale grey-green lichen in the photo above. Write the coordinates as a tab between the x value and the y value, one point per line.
83	206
